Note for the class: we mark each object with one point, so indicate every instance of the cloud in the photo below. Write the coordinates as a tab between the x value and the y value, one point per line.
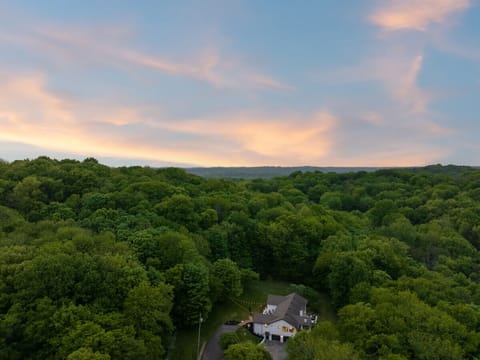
373	117
415	14
458	47
393	126
395	140
19	95
31	113
209	67
400	77
291	139
263	81
397	129
397	71
69	46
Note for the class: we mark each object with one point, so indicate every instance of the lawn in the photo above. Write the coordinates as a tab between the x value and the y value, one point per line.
252	300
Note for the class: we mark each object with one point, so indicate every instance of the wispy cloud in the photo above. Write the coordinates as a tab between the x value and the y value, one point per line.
373	117
209	67
397	71
401	76
400	60
113	46
389	138
446	43
415	14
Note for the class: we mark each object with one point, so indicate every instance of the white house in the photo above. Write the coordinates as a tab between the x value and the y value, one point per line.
283	317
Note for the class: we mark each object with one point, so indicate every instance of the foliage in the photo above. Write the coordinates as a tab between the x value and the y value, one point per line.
226	280
99	262
227	339
246	351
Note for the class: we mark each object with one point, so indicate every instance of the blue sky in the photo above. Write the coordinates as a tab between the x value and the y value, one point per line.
241	83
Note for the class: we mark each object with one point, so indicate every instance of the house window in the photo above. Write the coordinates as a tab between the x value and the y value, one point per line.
285	328
292	329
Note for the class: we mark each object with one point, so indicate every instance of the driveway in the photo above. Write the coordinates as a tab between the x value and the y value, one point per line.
213	351
276	349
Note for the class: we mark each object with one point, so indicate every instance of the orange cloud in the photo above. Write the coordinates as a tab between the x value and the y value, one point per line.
31	113
294	139
26	93
415	14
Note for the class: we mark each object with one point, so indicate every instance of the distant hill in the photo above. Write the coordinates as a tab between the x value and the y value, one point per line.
267	172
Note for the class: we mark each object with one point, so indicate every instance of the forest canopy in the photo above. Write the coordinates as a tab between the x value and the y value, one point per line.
108	263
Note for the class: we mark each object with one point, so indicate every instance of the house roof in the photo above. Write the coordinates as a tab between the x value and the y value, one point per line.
288	309
275	299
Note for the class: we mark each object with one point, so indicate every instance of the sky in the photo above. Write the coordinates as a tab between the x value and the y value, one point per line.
241	82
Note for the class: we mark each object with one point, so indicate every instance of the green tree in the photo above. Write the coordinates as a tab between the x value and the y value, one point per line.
87	354
305	346
246	351
191	290
179	209
226	279
148	309
227	339
347	270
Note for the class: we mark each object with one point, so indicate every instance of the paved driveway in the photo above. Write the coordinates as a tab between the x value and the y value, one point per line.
276	349
213	351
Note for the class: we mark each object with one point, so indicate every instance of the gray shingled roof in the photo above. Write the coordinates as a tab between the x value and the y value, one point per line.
288	309
275	299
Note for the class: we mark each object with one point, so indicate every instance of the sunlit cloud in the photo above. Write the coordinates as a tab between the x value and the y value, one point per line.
21	94
120	92
292	138
31	113
415	14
